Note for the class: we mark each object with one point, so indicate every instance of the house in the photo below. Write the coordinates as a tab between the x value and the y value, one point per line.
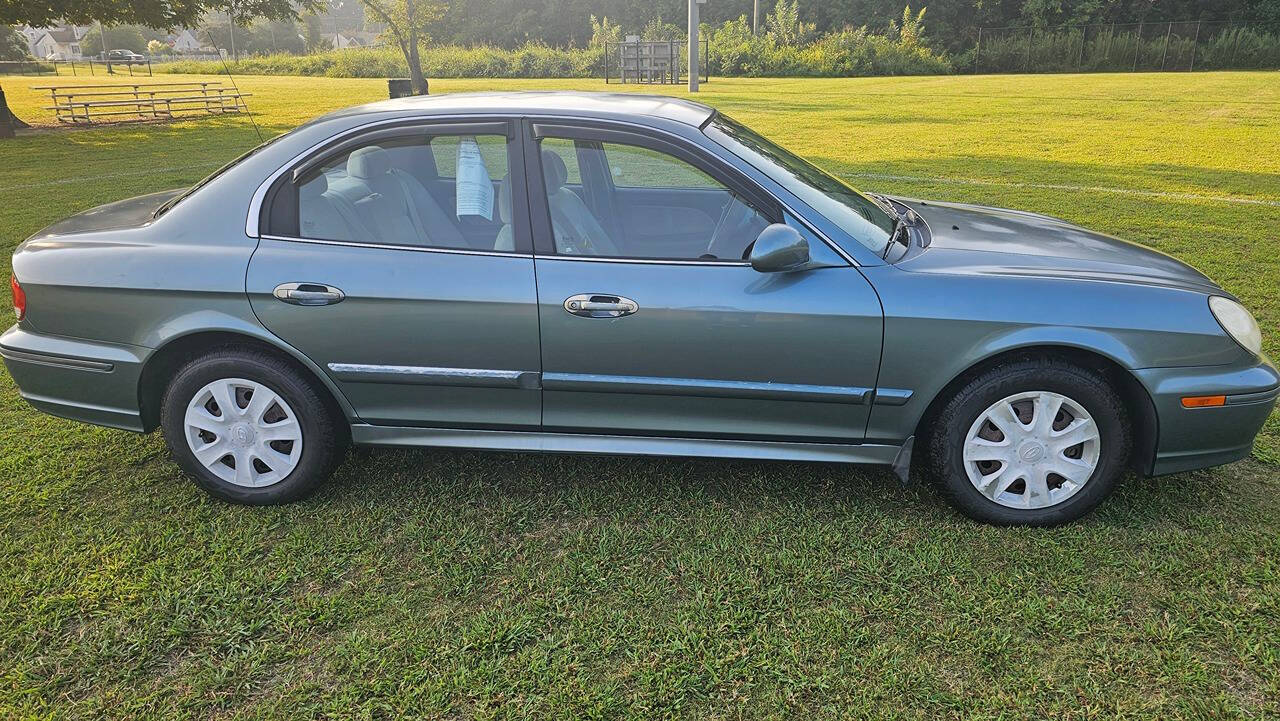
355	39
31	35
183	41
59	44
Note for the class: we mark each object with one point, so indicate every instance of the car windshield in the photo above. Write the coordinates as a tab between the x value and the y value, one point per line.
855	213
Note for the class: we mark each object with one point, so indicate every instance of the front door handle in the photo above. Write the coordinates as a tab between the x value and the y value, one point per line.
308	294
600	305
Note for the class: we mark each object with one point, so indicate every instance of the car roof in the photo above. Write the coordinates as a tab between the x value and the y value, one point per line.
561	102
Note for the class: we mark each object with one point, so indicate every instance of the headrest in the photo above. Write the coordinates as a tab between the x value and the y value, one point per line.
368	162
315	187
504	201
554	170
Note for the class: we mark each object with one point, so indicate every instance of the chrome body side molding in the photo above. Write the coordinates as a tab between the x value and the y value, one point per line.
704	387
423	375
539	442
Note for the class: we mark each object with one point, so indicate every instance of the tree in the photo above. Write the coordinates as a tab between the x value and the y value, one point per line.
259	38
603	31
785	25
317	39
407	23
12	45
124	37
166	14
911	31
156	47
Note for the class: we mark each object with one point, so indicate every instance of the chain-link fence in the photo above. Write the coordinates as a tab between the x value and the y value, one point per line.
1135	47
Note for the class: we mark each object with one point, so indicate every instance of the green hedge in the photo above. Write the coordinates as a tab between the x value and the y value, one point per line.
733	51
1103	50
529	61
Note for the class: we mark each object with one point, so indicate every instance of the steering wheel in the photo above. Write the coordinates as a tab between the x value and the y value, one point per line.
733	219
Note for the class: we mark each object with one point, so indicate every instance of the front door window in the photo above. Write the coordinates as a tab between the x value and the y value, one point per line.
626	201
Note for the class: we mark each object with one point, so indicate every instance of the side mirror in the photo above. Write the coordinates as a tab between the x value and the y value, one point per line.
779	249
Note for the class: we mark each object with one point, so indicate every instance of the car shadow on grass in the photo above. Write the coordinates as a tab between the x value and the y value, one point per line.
594	486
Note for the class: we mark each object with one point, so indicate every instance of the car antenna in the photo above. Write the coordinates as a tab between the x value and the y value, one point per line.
235	87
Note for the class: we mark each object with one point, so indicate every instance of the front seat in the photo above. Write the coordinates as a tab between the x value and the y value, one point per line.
577	231
395	207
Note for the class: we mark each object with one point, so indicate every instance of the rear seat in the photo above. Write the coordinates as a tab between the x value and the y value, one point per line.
391	206
325	214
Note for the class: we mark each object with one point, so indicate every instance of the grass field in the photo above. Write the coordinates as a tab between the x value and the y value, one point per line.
464	585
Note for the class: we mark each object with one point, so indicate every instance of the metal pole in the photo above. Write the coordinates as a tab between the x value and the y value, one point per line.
1165	54
706	59
977	53
693	46
755	18
1136	47
1031	33
1194	44
1084	36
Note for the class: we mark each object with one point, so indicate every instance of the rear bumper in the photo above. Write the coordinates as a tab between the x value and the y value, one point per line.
83	380
1191	438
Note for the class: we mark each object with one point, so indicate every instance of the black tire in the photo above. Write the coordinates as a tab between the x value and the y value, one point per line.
1088	388
323	428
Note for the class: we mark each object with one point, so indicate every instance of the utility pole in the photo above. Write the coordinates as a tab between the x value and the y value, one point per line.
755	18
693	45
231	25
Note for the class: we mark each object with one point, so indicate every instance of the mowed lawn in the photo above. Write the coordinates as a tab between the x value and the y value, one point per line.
463	585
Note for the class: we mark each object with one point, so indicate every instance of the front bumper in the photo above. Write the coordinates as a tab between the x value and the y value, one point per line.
83	380
1191	438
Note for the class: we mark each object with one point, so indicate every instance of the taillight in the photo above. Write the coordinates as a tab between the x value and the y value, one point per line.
19	297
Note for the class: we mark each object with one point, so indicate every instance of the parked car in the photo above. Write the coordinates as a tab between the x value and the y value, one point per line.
623	274
123	56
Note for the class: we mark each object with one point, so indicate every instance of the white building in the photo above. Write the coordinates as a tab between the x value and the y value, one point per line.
354	39
31	35
183	41
58	44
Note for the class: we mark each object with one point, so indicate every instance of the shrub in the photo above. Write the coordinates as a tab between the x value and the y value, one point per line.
532	60
732	50
735	51
1101	49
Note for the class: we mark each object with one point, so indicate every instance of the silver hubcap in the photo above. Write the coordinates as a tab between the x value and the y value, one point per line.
1032	450
243	432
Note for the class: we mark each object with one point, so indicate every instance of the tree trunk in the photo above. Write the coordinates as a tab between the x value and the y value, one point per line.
8	121
416	78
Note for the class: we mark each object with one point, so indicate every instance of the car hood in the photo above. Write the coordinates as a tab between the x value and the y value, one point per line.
982	240
129	213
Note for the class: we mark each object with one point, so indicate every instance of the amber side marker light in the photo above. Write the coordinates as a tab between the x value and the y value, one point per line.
1203	401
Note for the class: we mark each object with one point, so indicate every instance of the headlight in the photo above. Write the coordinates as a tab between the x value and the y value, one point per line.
1237	322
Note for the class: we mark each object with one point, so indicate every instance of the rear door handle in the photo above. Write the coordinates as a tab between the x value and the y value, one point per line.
308	294
600	305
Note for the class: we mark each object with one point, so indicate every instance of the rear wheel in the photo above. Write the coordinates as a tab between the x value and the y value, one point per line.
1033	442
249	428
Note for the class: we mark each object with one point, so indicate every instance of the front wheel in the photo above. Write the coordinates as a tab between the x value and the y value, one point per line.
249	428
1034	442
